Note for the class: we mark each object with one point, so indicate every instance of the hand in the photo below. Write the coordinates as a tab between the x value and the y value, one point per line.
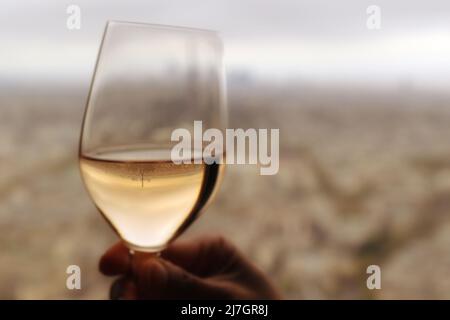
206	268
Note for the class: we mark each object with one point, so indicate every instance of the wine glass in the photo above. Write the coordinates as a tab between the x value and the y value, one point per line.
150	80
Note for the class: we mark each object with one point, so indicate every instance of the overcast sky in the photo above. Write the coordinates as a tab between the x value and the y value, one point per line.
317	38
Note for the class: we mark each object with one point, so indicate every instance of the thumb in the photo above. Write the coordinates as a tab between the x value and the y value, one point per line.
160	279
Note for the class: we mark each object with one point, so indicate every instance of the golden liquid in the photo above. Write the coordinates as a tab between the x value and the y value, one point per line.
147	198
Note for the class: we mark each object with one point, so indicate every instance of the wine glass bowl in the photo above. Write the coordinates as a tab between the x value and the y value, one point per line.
150	80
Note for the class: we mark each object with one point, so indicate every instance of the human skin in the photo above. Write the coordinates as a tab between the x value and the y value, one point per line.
209	267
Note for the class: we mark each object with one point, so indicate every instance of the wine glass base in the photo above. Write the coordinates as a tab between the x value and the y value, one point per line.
134	248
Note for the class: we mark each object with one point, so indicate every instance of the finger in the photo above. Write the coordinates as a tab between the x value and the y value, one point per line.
115	261
203	256
123	289
129	291
159	279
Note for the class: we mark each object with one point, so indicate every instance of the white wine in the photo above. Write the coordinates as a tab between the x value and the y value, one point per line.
146	197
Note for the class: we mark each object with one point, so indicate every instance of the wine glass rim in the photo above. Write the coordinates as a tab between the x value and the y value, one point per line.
161	26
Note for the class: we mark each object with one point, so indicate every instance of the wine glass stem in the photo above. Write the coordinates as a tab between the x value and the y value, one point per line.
136	258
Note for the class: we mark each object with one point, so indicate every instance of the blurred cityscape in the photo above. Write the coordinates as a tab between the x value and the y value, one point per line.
364	179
